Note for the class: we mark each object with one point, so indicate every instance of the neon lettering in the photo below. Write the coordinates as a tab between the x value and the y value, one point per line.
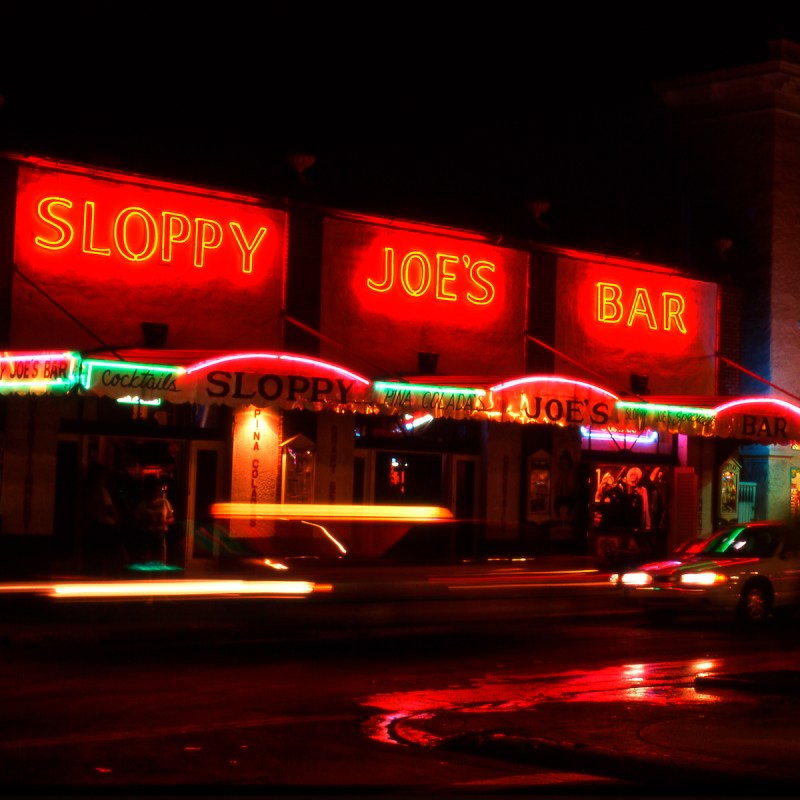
674	306
445	276
641	307
248	248
48	215
388	275
123	237
88	232
418	276
482	282
611	308
423	274
209	237
176	229
137	235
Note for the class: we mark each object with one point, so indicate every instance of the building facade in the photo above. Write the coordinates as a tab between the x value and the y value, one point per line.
251	351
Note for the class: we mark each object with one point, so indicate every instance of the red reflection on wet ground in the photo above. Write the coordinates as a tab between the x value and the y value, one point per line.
663	683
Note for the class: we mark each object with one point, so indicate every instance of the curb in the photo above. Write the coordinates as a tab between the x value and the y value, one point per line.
784	681
644	770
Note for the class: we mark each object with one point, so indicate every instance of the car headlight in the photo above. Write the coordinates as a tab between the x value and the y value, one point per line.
703	578
636	579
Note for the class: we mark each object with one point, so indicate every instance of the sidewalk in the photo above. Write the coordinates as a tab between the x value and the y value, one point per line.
745	744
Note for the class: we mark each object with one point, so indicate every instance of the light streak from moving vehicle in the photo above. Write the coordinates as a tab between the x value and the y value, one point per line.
166	588
329	511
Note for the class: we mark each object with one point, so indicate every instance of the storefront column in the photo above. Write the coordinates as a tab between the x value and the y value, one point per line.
503	454
255	463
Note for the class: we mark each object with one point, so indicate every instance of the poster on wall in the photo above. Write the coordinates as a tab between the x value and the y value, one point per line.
630	507
644	328
407	299
98	254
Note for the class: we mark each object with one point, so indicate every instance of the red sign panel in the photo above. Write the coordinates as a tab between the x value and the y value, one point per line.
620	320
87	240
390	292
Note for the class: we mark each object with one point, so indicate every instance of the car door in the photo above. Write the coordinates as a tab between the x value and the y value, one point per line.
786	579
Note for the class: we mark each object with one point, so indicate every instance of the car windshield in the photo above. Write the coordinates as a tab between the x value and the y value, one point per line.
744	542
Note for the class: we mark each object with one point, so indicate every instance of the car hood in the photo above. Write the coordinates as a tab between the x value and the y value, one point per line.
696	564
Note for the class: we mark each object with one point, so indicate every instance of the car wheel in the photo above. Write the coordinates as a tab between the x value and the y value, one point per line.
755	605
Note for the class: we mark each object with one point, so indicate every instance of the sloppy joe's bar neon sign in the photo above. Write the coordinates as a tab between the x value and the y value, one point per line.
614	307
39	370
138	234
121	228
444	276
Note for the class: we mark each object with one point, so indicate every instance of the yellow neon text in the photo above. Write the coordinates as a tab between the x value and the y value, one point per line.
417	275
611	308
136	234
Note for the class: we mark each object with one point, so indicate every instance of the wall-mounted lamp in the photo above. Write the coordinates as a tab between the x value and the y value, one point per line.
155	334
427	362
639	384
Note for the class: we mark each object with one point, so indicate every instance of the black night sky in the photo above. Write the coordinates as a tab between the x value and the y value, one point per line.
442	112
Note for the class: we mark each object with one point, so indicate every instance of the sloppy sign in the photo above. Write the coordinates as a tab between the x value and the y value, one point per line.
280	380
550	399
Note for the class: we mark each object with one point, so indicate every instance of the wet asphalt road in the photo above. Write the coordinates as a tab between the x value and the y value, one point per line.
323	714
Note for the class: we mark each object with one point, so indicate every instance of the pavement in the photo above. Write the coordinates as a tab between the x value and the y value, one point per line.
742	740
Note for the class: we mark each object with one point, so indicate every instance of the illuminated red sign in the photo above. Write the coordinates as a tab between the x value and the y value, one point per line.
621	319
417	288
138	231
116	251
37	372
436	276
666	312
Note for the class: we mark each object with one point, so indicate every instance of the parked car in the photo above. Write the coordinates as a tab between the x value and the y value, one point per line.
749	569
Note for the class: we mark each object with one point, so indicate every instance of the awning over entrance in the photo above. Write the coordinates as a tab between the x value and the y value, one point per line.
553	399
294	381
693	416
766	420
430	398
281	380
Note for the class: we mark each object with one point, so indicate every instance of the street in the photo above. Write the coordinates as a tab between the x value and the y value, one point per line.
325	714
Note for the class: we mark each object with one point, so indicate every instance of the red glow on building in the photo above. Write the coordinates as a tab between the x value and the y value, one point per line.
649	322
416	276
99	228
